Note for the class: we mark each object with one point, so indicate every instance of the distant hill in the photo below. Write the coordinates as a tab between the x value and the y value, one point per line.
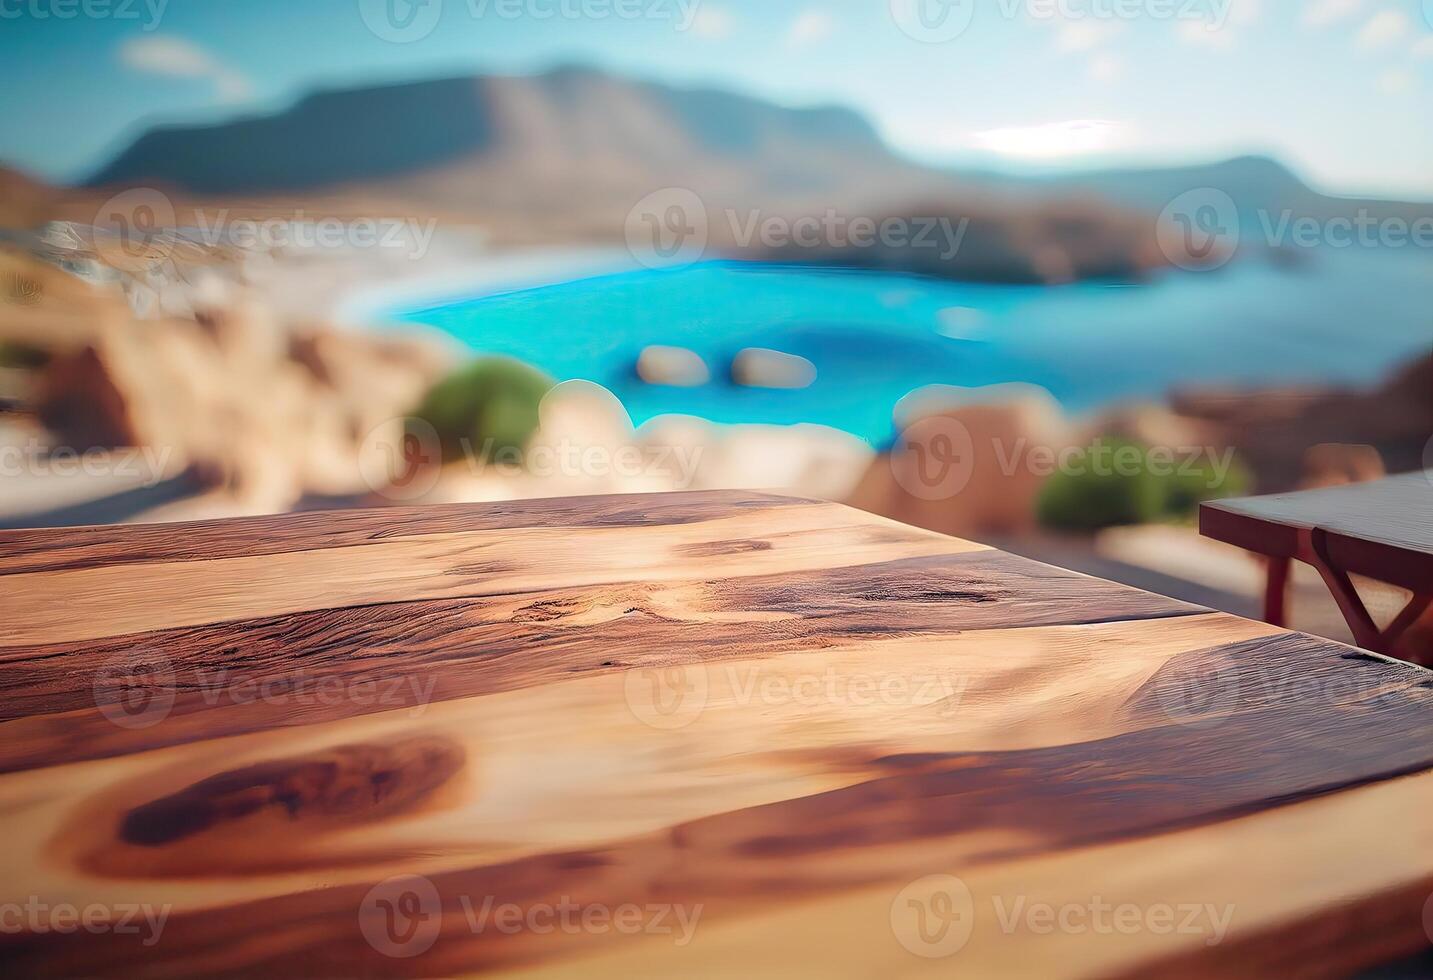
574	141
495	141
1254	183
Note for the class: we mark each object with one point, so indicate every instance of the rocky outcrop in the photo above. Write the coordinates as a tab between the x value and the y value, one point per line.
969	461
1153	424
24	201
1011	241
1273	430
265	414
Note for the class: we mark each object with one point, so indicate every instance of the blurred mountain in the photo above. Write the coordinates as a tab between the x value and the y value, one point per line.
571	137
1254	183
575	147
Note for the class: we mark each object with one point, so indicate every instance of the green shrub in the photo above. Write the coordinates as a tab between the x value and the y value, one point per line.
486	407
1086	494
1110	483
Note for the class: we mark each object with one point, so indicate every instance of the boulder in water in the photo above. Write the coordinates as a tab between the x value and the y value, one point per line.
758	367
662	365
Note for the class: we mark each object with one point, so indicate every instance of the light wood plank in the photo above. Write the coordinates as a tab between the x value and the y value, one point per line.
39	607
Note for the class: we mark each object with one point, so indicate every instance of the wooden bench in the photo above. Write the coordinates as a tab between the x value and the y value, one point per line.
1382	530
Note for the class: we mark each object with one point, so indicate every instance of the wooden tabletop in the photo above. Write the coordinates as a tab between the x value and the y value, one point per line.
1383	528
709	734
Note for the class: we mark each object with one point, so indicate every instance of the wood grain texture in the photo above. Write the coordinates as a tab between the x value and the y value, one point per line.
107	600
89	547
737	734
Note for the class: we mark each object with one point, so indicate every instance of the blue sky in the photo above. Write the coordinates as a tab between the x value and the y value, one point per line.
1339	89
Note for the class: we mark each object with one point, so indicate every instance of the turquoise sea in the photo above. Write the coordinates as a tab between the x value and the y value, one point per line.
1341	317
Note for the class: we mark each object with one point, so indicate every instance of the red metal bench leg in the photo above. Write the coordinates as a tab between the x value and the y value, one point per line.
1276	591
1365	631
1411	613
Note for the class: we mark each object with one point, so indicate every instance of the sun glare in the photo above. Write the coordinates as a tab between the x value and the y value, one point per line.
1072	137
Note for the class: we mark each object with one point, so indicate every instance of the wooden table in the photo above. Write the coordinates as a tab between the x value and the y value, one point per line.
710	734
1382	530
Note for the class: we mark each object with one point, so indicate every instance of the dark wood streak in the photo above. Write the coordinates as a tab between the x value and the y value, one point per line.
1246	750
426	652
713	548
347	783
90	547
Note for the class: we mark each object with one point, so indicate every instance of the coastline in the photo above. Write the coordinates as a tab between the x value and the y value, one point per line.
478	275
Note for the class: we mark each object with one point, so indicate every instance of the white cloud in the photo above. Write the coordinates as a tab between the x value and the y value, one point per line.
714	23
1072	137
165	56
1396	81
1106	68
175	57
1321	13
1384	28
1423	48
810	26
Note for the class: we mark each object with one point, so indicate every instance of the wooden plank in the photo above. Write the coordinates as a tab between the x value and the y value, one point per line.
84	603
90	547
336	663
